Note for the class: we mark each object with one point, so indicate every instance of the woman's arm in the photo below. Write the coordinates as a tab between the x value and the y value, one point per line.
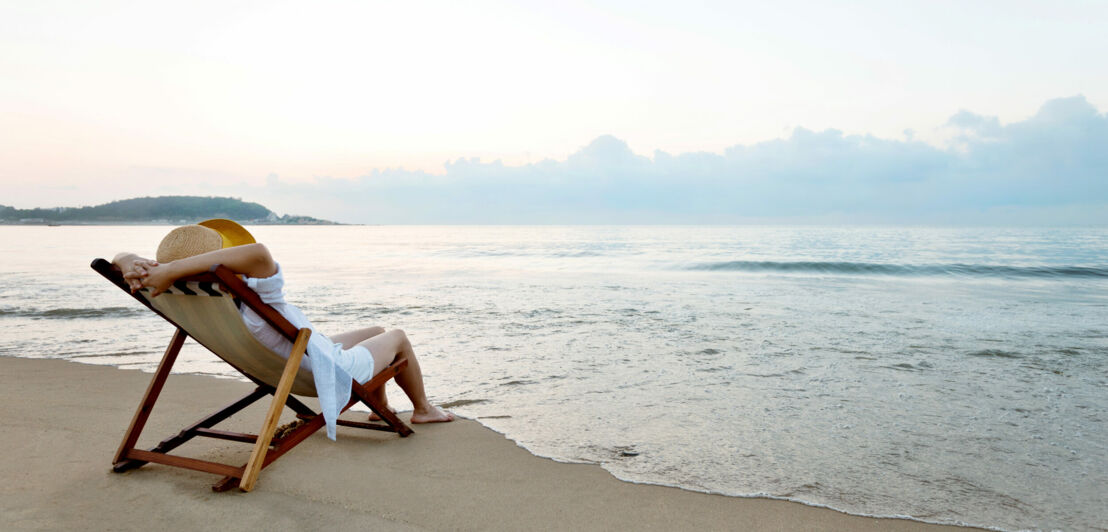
252	260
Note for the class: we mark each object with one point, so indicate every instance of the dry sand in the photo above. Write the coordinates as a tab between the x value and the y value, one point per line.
63	421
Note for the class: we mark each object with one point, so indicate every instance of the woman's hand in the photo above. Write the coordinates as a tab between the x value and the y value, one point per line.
134	268
134	281
141	265
159	277
140	268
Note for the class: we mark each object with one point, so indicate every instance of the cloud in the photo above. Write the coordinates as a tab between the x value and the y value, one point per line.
974	125
1049	168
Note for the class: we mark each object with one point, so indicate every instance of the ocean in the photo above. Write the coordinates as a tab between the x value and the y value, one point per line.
952	375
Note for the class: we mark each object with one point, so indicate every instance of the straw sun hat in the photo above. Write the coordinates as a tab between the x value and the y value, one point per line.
209	235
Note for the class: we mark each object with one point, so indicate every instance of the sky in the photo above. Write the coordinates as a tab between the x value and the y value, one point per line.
979	112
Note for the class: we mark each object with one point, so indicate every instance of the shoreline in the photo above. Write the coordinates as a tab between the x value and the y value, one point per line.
67	417
753	496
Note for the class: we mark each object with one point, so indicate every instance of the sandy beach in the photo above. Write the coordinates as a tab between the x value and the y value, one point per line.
64	420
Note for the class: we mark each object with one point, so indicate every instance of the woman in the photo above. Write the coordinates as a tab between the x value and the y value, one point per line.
360	354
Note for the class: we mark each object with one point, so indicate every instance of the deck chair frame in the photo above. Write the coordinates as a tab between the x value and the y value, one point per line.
268	446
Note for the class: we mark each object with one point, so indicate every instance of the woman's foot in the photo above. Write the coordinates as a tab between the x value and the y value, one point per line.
433	414
374	417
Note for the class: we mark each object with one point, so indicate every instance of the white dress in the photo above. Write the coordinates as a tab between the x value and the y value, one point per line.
332	366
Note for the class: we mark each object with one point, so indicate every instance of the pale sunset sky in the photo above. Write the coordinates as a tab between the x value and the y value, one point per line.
564	112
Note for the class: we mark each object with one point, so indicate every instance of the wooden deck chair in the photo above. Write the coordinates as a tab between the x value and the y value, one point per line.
205	307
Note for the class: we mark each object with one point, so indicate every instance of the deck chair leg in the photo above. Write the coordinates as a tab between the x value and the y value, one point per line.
389	418
280	395
130	438
365	395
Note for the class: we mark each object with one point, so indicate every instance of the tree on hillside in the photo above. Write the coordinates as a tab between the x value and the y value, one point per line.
149	208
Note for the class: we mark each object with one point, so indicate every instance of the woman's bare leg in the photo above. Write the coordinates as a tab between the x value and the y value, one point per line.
350	339
385	348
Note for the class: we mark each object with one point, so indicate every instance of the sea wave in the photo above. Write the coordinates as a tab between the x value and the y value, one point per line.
867	268
65	313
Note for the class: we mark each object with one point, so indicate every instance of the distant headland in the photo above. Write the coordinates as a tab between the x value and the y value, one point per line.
171	210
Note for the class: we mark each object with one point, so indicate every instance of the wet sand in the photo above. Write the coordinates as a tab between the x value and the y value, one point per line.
63	422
